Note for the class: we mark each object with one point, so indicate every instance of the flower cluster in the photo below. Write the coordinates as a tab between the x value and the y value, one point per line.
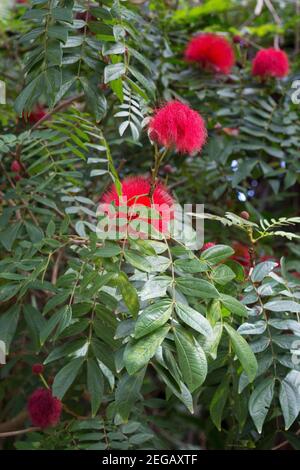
16	168
212	52
136	197
177	125
43	408
270	63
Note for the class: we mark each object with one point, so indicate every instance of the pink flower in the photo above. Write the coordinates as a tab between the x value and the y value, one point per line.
212	52
270	63
207	245
177	125
136	190
44	409
37	369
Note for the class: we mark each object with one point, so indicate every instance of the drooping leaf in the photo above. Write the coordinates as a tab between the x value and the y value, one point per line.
217	253
129	294
218	402
94	384
65	377
289	397
139	352
197	288
192	359
233	305
153	317
243	352
260	401
193	319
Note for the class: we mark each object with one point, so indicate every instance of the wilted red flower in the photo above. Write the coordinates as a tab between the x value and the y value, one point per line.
37	369
135	195
85	16
177	125
44	409
270	63
241	255
240	40
15	166
212	52
36	114
207	245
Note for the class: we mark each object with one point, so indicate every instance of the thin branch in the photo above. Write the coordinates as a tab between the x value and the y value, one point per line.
59	107
14	423
258	10
277	20
16	433
56	267
284	443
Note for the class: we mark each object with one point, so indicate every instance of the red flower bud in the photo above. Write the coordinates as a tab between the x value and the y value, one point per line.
168	169
245	215
37	369
237	39
15	166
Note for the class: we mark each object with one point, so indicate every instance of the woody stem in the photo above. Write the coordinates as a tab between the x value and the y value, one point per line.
158	158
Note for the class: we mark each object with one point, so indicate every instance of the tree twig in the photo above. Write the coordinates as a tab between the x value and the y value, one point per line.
59	107
284	443
14	423
16	433
56	267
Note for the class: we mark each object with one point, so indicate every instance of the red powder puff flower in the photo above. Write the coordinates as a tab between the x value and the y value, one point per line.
207	245
37	369
44	409
270	63
135	198
212	52
177	125
241	255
